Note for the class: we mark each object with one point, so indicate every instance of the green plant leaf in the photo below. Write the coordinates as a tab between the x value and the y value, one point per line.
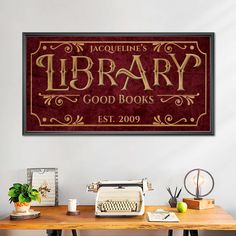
27	199
21	198
17	185
34	192
24	188
33	197
17	192
38	197
13	199
29	188
12	193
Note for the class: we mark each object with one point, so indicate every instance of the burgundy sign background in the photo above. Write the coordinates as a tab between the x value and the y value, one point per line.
118	83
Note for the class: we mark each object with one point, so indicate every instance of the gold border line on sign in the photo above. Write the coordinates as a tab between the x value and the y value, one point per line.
140	125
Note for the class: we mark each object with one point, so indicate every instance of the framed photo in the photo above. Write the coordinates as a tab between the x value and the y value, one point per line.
45	180
118	83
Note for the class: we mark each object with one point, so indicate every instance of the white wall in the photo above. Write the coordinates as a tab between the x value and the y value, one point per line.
83	159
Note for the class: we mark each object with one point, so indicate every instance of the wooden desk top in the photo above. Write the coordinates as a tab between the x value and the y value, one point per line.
56	218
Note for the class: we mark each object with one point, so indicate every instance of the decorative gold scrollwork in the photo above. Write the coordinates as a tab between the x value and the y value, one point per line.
179	99
167	121
58	99
68	47
68	120
79	46
168	46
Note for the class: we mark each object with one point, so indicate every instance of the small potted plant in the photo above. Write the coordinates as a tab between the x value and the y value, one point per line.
22	195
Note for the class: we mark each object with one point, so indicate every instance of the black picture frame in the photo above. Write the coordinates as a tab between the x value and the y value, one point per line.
211	35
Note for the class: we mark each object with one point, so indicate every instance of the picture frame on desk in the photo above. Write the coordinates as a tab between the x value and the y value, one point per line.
45	180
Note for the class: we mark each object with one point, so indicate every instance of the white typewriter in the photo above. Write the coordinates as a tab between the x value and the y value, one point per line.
120	198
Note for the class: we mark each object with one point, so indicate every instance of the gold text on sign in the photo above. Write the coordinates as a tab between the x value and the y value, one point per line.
113	75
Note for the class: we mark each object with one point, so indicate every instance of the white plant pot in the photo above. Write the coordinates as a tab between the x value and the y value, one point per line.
22	207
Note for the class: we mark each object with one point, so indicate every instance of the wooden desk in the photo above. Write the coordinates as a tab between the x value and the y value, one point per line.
55	218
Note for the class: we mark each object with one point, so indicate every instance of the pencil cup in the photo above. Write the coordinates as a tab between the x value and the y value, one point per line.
173	202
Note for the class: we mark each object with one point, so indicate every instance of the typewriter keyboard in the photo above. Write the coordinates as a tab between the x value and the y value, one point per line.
118	206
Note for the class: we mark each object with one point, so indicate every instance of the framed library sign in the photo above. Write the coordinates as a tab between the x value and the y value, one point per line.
118	83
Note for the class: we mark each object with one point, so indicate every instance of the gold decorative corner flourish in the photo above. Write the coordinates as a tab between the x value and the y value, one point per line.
58	98
179	99
157	46
68	46
168	46
167	121
79	46
68	120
